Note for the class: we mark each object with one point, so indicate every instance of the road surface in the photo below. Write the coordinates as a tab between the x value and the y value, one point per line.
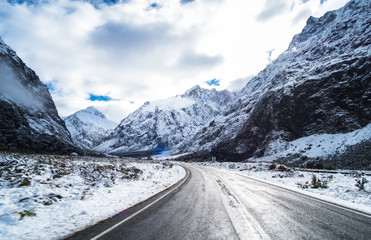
219	204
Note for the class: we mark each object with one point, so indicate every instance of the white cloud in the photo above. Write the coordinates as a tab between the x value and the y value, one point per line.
272	9
134	53
237	84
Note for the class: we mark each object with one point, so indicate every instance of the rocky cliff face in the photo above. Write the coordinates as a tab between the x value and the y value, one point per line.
164	124
320	84
89	126
28	117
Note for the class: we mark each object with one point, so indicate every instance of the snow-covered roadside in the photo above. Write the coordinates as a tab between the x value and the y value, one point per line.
341	187
50	197
318	145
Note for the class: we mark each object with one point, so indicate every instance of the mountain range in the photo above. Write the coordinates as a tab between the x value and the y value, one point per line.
319	88
164	124
319	85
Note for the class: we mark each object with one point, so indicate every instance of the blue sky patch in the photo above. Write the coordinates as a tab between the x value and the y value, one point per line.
95	3
186	1
154	5
50	86
100	98
213	82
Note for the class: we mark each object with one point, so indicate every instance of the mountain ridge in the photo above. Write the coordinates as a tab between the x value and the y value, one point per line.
318	85
29	120
88	126
165	123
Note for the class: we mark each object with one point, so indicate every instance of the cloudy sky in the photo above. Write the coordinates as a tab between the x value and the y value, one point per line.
119	54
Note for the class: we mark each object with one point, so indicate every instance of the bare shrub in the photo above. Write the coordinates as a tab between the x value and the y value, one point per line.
360	183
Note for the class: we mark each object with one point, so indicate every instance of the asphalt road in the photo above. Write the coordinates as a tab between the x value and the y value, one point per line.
219	204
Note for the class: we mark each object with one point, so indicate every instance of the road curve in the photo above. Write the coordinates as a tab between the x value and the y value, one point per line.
220	204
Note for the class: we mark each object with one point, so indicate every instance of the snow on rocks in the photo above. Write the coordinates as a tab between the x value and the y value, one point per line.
317	145
50	197
165	123
89	126
309	89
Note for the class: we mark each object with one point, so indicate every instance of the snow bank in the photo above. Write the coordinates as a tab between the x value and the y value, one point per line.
50	197
318	145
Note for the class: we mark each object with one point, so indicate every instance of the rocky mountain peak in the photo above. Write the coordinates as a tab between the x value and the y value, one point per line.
194	92
166	122
28	117
89	126
339	28
93	111
6	50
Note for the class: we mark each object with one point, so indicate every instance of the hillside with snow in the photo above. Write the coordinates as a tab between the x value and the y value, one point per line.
60	195
88	126
319	85
29	120
164	124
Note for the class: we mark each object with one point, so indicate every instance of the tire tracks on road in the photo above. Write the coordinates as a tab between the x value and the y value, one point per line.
244	223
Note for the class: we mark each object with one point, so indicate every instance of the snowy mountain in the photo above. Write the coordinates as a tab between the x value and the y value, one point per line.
164	124
319	85
28	117
89	126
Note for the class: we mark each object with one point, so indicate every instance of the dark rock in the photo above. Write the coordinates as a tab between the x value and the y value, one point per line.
29	120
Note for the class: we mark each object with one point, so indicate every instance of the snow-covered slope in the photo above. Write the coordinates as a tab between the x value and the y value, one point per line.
164	124
320	84
28	117
89	126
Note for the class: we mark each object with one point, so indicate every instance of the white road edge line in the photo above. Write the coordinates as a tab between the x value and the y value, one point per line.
149	205
307	195
304	194
250	228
